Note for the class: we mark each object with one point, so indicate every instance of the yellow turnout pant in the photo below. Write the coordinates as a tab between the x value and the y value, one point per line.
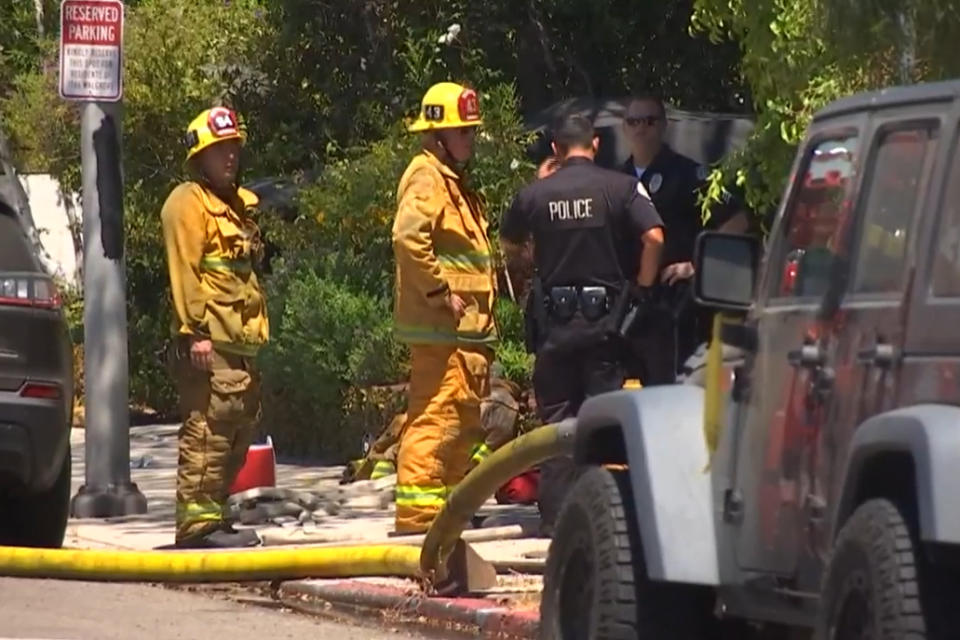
443	426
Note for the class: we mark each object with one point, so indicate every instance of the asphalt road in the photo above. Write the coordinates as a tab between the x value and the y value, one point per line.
65	610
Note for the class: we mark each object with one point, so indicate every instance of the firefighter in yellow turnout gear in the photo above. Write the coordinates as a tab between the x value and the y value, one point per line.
445	288
219	323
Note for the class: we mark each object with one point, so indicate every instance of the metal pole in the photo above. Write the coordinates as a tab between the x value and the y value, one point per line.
107	490
908	47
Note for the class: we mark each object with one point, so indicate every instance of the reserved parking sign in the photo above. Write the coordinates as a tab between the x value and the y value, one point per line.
91	50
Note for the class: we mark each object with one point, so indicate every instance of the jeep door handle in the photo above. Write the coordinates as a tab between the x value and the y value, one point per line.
810	356
881	354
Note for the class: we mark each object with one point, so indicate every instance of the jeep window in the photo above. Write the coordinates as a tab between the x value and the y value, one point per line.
891	204
812	225
946	265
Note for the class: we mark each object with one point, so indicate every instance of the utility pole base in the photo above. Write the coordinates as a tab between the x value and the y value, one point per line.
108	501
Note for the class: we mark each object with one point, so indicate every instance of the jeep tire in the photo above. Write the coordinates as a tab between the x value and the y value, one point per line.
871	588
37	519
595	584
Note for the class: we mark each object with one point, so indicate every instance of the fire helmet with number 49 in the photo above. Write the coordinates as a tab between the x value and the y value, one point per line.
448	105
211	126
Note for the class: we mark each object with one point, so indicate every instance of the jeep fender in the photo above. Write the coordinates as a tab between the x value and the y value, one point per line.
660	431
930	435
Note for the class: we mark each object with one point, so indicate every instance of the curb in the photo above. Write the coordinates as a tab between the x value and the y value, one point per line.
483	616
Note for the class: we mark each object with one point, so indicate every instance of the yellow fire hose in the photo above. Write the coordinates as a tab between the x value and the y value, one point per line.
210	566
512	458
328	562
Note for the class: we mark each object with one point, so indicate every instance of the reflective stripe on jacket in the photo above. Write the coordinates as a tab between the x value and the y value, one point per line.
440	244
210	249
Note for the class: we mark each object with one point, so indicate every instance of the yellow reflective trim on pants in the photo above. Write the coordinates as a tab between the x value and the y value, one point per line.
382	469
199	511
480	452
417	496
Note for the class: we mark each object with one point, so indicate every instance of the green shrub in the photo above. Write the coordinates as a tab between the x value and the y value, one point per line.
350	211
511	352
326	340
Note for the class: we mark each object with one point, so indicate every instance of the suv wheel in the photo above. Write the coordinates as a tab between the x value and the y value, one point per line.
38	519
871	587
595	585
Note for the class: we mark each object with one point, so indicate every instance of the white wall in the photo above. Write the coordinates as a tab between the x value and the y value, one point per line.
50	215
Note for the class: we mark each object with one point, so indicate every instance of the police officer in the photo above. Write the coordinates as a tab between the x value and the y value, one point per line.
674	183
585	223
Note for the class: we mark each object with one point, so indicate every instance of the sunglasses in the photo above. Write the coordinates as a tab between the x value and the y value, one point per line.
636	121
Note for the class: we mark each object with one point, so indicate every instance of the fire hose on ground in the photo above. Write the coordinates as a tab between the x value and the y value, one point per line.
429	564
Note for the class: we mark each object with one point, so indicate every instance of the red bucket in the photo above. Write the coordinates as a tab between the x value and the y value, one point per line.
259	469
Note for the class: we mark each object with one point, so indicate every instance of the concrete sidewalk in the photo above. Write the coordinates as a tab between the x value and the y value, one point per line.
510	609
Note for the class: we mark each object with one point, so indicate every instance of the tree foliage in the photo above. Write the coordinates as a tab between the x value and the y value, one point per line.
384	53
798	55
22	42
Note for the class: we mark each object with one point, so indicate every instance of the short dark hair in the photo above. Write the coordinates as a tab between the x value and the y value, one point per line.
653	99
573	131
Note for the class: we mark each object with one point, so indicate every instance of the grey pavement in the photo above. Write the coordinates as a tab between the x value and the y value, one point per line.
63	610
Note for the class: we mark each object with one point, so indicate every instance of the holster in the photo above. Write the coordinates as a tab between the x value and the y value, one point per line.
535	318
622	307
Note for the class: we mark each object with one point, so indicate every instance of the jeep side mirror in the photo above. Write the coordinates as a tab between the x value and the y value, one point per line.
726	270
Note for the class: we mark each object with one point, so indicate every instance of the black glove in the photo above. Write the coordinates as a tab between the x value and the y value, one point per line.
640	295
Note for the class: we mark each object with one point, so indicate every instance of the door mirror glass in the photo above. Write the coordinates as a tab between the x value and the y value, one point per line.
726	270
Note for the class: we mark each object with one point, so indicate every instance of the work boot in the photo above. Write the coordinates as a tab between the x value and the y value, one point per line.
224	537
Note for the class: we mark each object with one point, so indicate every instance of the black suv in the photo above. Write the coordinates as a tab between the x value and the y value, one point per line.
36	395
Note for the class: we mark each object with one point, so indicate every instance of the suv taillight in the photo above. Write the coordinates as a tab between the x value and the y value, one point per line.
40	390
28	290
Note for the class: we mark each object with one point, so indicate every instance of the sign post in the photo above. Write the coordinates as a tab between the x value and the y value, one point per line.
91	63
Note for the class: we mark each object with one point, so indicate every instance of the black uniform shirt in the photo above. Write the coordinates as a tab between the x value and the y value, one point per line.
586	222
674	183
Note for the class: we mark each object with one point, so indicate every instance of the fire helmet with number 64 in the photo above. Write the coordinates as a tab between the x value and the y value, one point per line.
210	127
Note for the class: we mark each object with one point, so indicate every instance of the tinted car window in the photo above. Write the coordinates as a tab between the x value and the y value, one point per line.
15	251
946	260
818	208
890	206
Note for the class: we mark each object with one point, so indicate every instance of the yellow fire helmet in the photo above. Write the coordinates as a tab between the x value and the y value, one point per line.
448	105
212	126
